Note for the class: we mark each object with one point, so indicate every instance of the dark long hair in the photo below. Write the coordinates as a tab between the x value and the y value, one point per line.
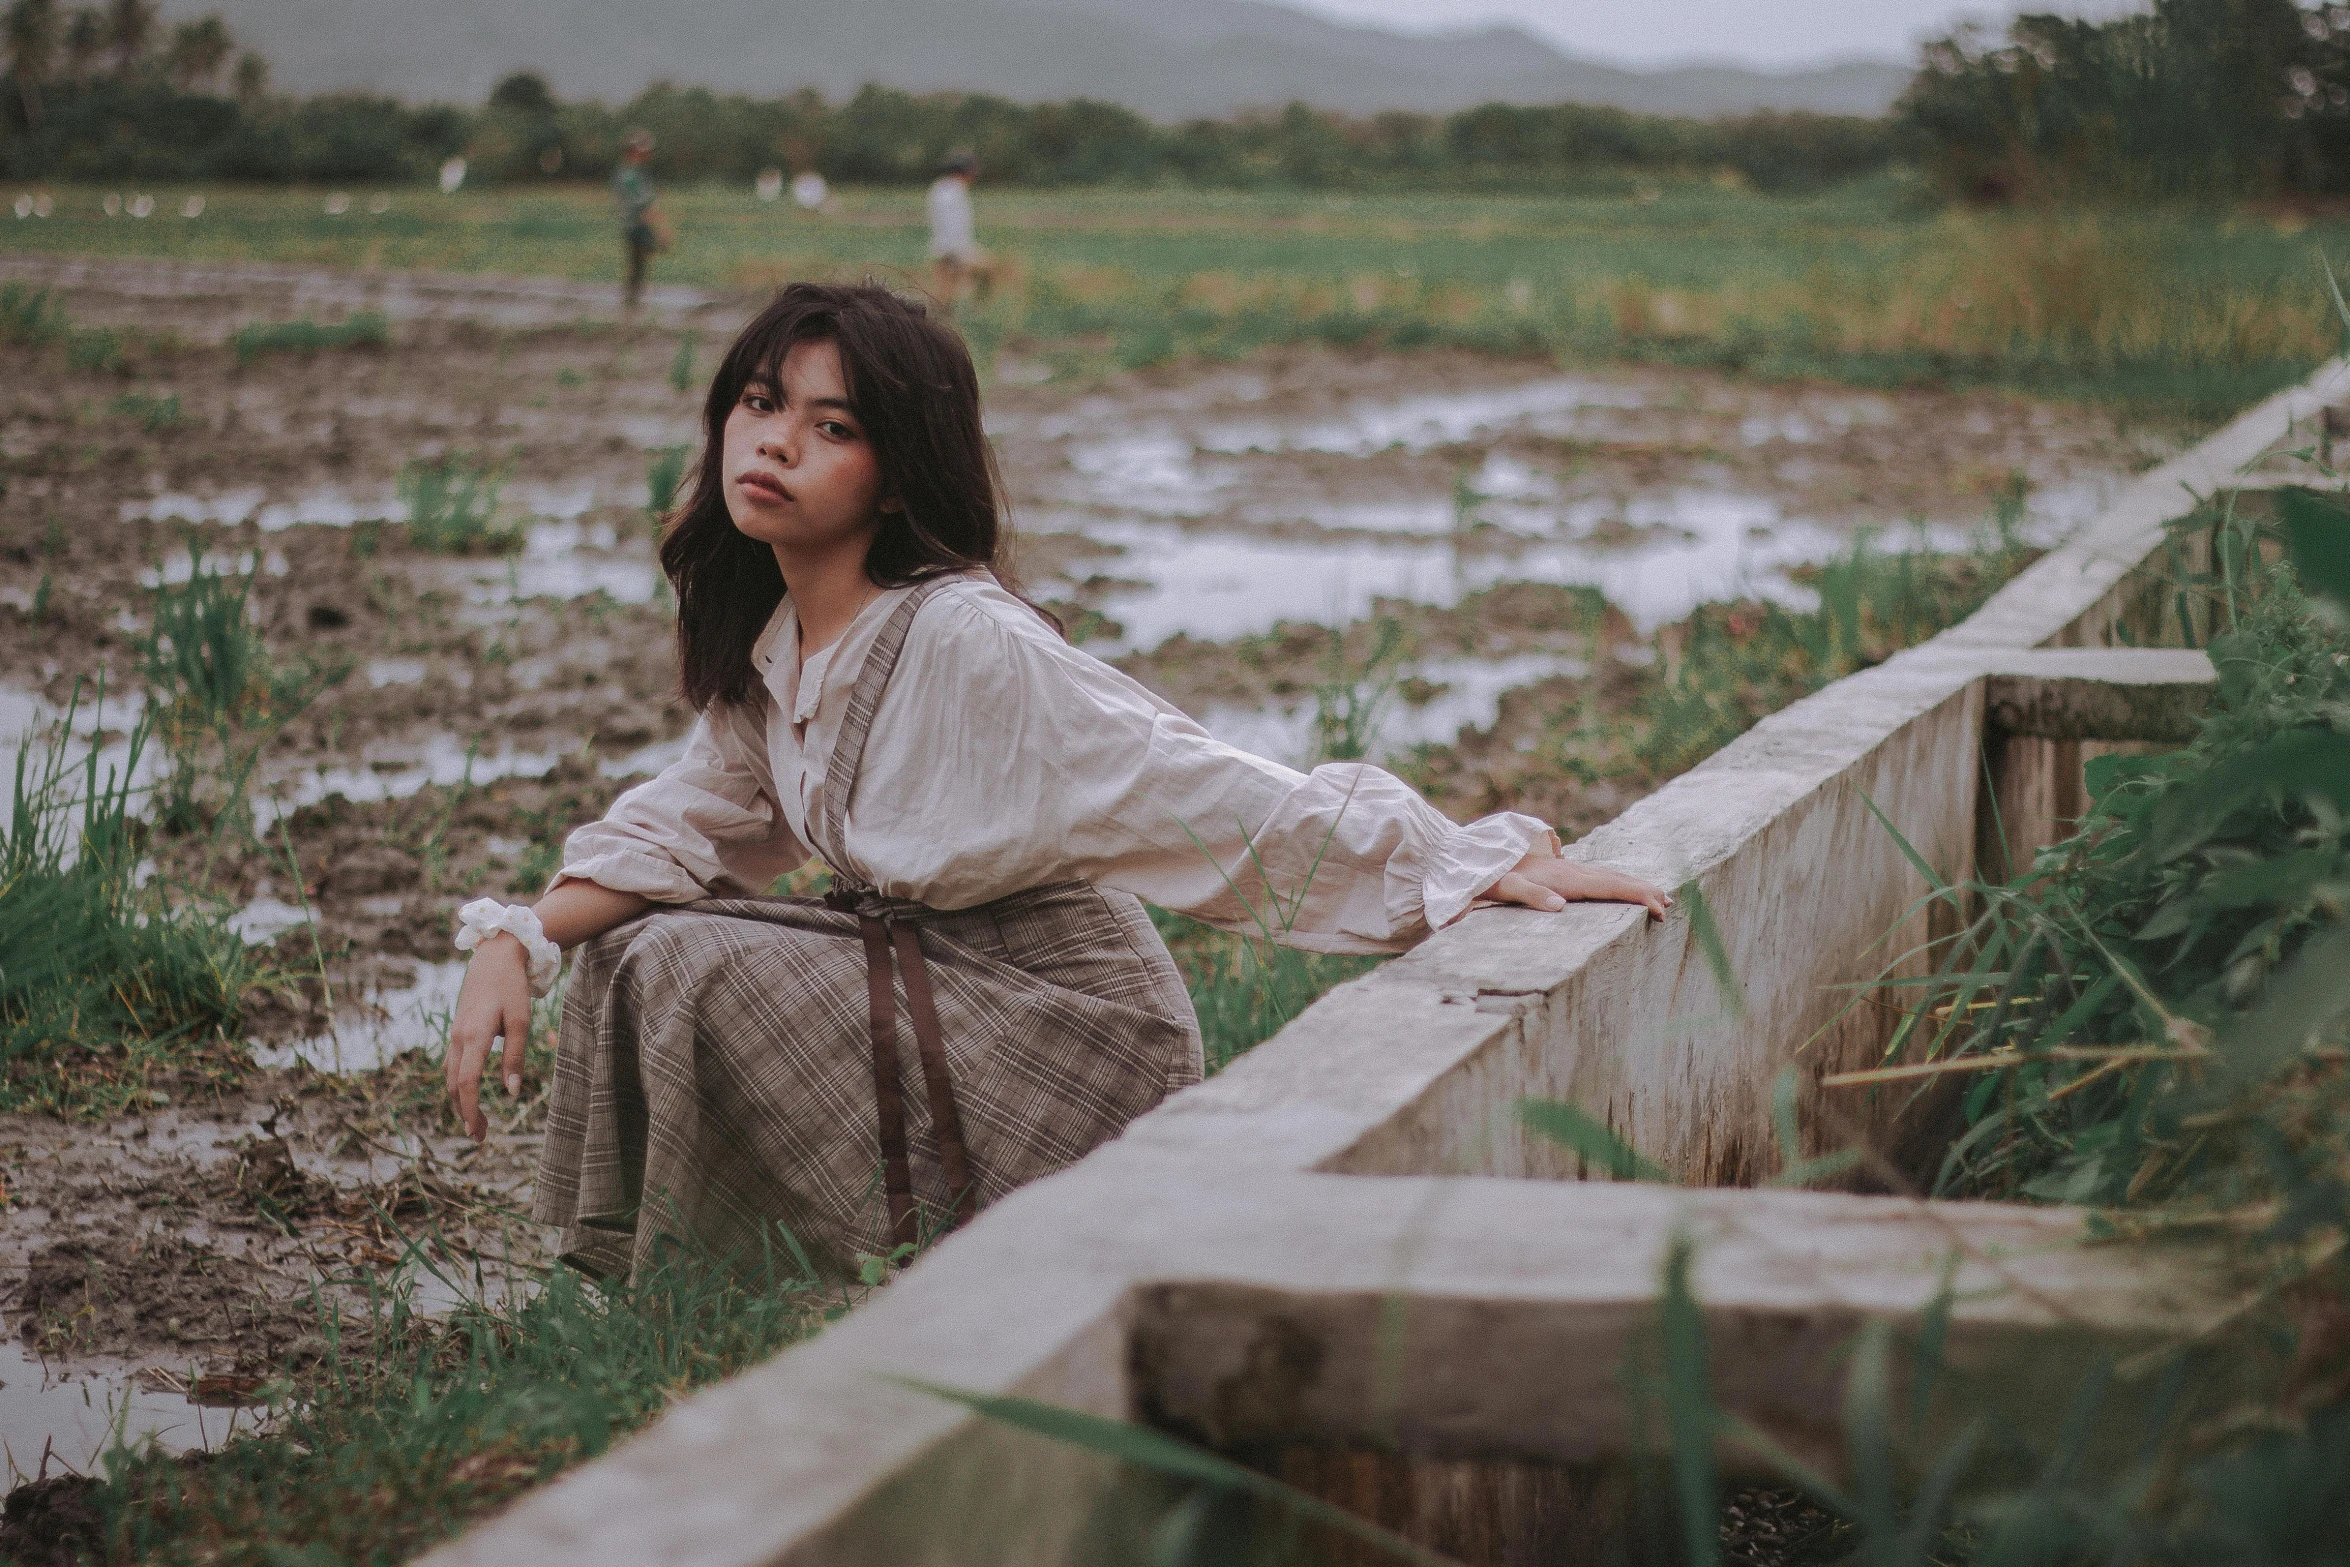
915	394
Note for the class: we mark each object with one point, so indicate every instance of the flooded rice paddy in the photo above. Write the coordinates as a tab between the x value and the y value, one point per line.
1192	523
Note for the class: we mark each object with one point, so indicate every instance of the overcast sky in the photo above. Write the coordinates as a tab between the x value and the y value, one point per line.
1750	32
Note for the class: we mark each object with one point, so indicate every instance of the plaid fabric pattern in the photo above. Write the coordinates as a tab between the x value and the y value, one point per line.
714	1074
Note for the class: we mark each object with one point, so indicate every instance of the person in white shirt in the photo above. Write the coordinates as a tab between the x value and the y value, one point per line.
955	257
992	804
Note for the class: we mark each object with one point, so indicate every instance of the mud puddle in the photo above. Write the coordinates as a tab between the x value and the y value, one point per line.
162	1269
1390	711
1307	491
60	1417
379	1027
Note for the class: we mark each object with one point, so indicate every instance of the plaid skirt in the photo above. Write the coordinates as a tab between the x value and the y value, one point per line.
714	1079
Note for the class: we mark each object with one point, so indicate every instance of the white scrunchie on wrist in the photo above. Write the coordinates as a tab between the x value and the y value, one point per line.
483	918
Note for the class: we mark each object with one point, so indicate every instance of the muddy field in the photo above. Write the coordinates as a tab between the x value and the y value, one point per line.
1230	533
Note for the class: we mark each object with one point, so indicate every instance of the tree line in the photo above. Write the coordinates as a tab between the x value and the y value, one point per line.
2194	98
107	92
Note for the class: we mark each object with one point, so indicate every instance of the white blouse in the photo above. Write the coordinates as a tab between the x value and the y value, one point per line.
1001	758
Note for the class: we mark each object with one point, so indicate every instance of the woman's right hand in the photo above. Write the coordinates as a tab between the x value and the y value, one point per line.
493	1005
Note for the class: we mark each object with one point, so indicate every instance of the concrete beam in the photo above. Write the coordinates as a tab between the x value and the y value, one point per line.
1434	1317
2154	694
1497	1319
2049	712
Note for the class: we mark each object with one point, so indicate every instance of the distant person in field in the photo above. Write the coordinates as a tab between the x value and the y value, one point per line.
980	997
639	228
955	256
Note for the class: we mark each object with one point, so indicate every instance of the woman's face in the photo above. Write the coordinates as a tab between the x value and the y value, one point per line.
800	474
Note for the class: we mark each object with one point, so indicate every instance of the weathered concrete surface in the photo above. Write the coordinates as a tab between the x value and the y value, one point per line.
1507	1325
1629	1022
1446	1316
1415	1071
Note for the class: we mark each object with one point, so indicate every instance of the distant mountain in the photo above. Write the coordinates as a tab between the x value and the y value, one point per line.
1169	59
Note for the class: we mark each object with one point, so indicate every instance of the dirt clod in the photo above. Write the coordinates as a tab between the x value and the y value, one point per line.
52	1522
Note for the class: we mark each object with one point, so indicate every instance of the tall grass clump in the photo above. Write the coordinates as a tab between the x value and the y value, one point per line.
1352	696
409	1429
219	696
664	472
2104	1005
452	507
1247	988
30	318
105	979
155	414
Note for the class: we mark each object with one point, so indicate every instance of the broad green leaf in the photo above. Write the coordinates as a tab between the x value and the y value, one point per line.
2171	918
2310	995
2298	762
2286	879
2317	531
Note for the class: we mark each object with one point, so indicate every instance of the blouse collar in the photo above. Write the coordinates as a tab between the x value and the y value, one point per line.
776	652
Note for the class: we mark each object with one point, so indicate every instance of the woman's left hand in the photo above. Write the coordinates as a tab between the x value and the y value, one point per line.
1544	881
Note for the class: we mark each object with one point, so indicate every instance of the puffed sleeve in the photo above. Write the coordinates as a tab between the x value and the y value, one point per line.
1051	765
707	826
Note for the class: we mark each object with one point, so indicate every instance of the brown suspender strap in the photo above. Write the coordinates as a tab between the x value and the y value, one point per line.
897	1174
953	1160
848	748
840	778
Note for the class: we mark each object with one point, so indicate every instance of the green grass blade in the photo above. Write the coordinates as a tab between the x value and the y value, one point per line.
1162	1454
1709	939
1868	1442
1933	1497
1690	1421
1927	1359
1578	1131
1908	850
1785	1464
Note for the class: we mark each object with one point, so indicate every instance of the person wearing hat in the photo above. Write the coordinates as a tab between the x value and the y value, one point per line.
638	226
955	256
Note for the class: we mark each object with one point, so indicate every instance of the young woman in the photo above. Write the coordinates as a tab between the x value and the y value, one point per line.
993	803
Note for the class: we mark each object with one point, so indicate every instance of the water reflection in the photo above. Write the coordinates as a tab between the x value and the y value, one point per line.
67	1413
